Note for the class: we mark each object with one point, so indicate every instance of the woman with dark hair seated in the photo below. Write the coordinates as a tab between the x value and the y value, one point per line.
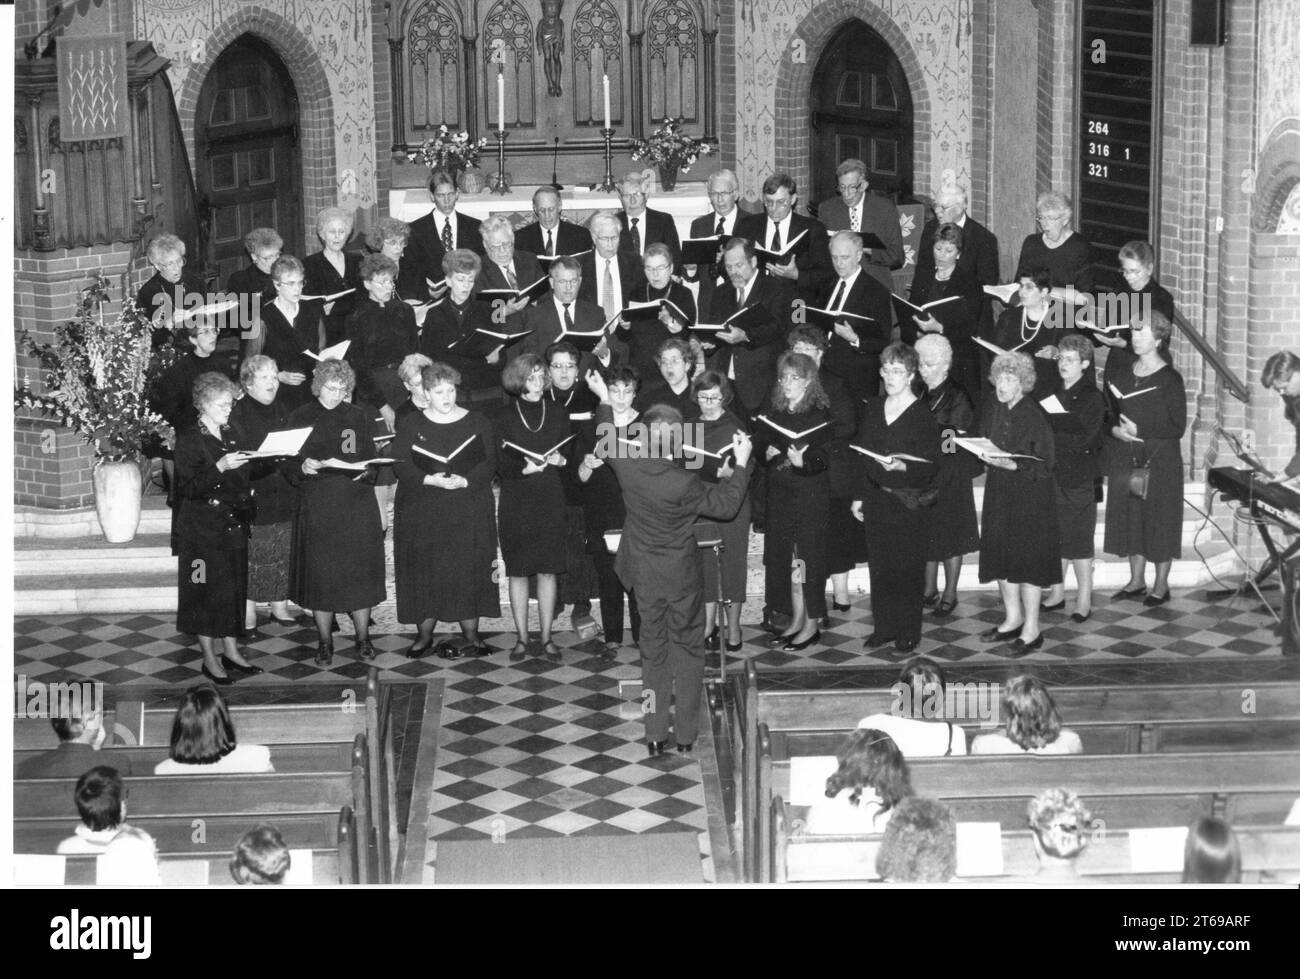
921	723
1062	826
1212	854
957	321
1282	374
260	857
644	337
449	335
1144	508
530	515
798	496
954	528
444	534
1020	544
257	414
289	330
338	541
672	387
873	768
215	505
1078	450
713	394
1031	724
203	739
604	511
894	498
920	844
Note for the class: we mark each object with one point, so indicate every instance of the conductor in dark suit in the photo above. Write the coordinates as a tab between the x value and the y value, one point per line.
562	309
550	234
659	561
855	346
810	270
748	356
432	236
642	225
724	192
857	210
80	735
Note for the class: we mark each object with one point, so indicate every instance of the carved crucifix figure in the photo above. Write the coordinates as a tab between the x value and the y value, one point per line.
550	44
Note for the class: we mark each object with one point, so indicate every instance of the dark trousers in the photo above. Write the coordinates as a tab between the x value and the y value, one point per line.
896	547
672	665
611	600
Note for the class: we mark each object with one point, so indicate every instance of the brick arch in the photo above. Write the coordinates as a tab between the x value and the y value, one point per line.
793	115
1277	175
315	107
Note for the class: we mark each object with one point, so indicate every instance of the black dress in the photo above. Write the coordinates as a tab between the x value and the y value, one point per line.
210	535
603	510
158	298
320	278
1153	527
1119	359
173	393
287	344
897	536
1070	263
659	393
271	535
338	540
444	541
845	548
1020	540
643	338
382	337
1016	332
579	582
530	514
1078	454
954	528
960	319
448	337
734	533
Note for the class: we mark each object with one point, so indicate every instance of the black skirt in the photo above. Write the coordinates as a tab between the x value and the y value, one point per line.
211	587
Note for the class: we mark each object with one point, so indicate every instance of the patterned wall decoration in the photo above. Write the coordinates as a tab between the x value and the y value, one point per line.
433	60
92	87
508	47
597	51
672	52
1278	96
939	33
338	33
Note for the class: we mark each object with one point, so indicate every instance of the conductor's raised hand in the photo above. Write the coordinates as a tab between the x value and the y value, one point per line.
596	383
744	447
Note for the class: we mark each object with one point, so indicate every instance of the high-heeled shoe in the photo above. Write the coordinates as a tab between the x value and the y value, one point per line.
735	648
780	639
551	651
930	601
944	608
519	652
221	681
248	670
418	649
794	647
711	640
1081	617
366	649
1126	593
1022	648
1055	607
476	650
325	652
997	635
877	639
842	608
656	747
687	748
1153	601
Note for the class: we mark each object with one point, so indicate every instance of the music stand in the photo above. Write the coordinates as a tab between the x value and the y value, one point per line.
723	603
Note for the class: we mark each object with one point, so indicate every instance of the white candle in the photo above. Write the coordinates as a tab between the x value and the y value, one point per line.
607	125
501	100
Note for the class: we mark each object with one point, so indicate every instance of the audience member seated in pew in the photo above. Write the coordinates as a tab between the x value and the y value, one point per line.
101	802
873	768
1032	725
81	738
1212	854
918	726
203	739
130	860
260	857
1061	826
920	844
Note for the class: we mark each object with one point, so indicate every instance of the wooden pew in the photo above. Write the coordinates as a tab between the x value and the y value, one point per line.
179	836
328	756
1268	854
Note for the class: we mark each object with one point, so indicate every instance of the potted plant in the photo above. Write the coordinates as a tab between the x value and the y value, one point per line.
456	153
671	150
96	376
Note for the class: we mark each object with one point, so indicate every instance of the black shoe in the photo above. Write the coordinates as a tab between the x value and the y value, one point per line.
293	621
736	648
780	639
1080	617
221	681
944	608
519	653
824	622
608	652
366	649
685	749
476	650
776	621
1053	608
997	635
580	609
551	651
876	639
418	649
249	670
1152	601
1022	648
1125	593
711	640
325	652
841	608
905	645
930	601
656	747
794	647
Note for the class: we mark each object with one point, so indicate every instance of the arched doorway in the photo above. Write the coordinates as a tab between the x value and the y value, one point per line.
246	147
861	109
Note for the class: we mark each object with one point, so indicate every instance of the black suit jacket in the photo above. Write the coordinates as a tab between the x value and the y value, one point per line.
655	226
424	252
570	239
859	367
630	275
71	760
755	360
813	262
705	226
544	320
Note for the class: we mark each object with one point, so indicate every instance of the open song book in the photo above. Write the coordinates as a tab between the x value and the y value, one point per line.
986	449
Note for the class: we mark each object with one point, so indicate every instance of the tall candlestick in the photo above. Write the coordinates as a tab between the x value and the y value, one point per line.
607	125
501	100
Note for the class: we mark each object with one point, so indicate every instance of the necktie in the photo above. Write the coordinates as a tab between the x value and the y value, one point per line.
722	227
837	300
855	218
447	243
568	320
776	238
511	281
611	304
636	237
550	243
740	296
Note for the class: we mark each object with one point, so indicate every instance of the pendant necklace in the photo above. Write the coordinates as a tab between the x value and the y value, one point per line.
540	424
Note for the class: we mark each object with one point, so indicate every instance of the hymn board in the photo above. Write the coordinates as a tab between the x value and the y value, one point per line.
1118	119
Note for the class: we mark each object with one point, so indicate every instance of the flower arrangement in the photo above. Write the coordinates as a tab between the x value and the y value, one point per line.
97	375
445	150
668	146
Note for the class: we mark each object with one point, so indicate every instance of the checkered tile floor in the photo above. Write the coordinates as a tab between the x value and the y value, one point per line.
539	748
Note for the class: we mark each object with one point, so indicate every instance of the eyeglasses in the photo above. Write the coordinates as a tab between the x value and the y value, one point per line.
500	245
709	399
607	237
849	188
339	389
175	263
1051	218
657	268
776	202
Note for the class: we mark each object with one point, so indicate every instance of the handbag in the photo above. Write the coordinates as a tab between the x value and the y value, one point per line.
1139	479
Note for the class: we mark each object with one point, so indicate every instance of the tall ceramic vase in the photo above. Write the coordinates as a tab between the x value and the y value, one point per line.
118	491
667	176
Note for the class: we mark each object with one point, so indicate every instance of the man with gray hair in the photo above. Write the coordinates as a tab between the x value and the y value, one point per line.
550	234
506	267
724	192
642	225
610	272
857	210
979	248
